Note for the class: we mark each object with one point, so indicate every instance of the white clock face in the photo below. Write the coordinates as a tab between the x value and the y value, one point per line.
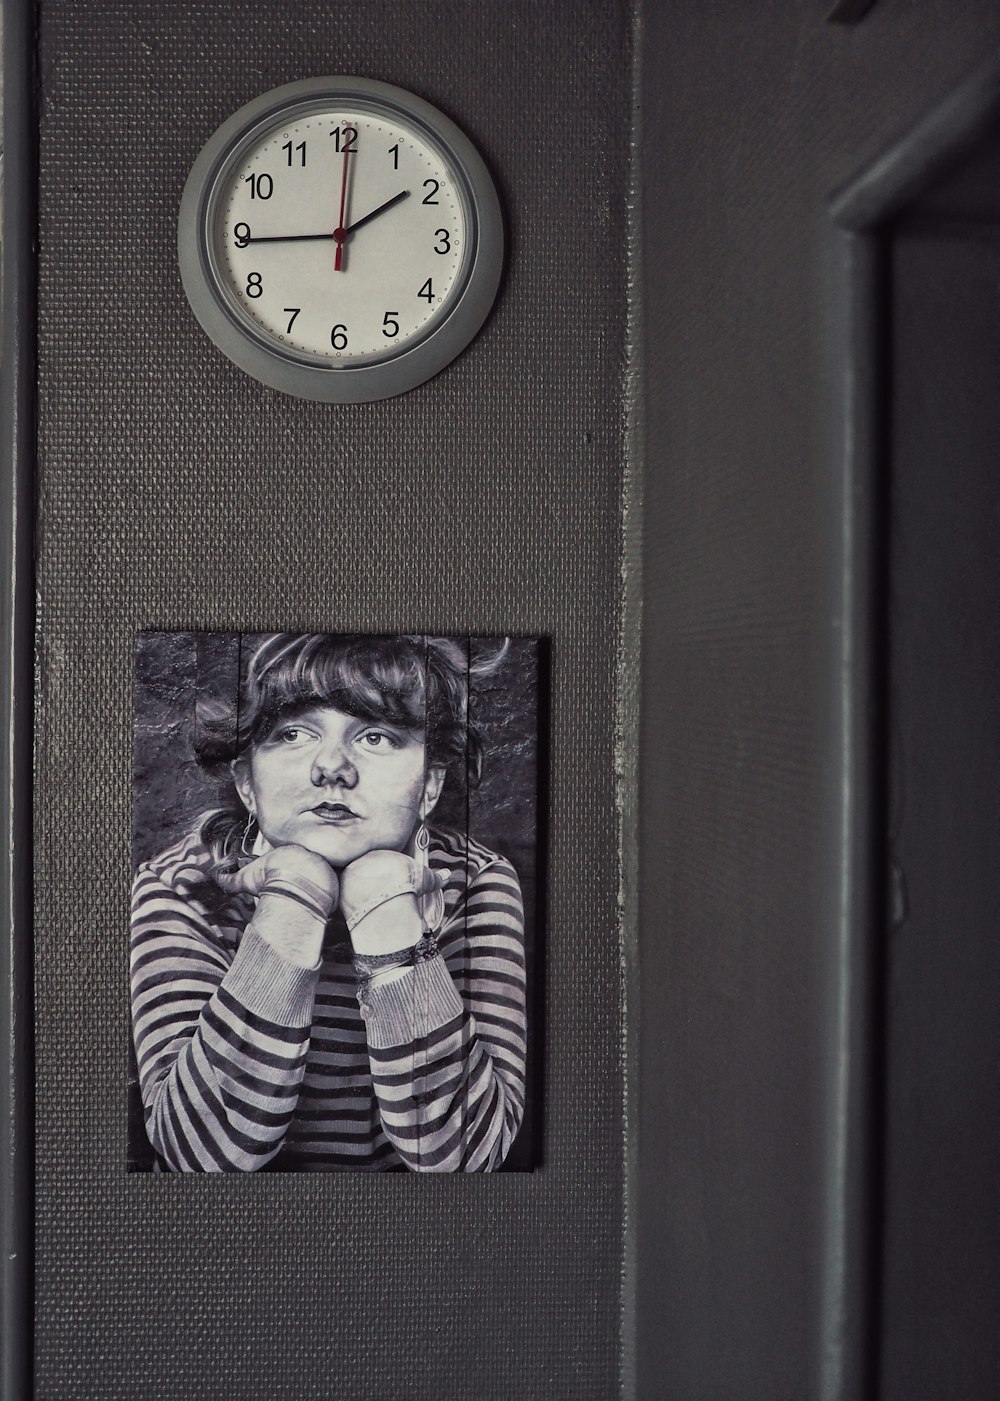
342	236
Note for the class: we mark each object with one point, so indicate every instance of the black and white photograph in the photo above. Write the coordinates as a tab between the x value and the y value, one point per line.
335	902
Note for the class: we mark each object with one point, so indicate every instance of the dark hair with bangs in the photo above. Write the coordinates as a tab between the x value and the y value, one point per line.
416	682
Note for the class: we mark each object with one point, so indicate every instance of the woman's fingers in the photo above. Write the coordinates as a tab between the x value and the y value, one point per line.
367	882
374	878
245	880
432	881
286	866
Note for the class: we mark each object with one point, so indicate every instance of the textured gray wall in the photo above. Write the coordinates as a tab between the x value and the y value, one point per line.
753	114
176	493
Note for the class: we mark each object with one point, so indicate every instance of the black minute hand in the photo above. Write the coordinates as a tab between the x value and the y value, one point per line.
286	238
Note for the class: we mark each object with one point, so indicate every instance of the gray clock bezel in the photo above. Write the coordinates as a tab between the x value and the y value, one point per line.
284	369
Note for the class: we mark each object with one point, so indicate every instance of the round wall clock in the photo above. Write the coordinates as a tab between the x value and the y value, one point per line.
340	239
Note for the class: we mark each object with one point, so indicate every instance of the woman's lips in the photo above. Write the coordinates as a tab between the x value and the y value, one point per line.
336	813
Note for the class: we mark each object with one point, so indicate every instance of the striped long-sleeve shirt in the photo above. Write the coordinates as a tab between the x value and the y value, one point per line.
247	1061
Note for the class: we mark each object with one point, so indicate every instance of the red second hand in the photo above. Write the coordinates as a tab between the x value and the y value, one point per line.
338	233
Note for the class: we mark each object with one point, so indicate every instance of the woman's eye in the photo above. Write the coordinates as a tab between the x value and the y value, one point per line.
289	734
376	739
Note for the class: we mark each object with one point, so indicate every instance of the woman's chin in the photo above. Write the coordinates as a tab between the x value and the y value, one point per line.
336	849
339	848
339	844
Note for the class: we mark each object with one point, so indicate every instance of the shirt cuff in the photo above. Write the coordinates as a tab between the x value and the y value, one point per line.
420	1002
268	985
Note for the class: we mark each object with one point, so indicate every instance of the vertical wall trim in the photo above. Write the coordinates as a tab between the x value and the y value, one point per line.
627	723
849	1290
17	434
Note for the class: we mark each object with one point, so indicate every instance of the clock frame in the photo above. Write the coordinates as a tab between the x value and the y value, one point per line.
261	351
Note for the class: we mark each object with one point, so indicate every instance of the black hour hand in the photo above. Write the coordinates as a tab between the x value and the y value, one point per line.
367	218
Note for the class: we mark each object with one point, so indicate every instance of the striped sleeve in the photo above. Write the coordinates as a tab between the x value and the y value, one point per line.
221	1036
446	1042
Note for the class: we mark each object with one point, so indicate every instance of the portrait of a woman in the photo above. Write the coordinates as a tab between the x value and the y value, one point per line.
322	978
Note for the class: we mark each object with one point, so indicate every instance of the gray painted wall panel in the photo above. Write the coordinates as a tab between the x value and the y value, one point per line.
175	492
752	116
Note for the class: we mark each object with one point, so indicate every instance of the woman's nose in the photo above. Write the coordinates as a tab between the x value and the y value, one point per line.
333	765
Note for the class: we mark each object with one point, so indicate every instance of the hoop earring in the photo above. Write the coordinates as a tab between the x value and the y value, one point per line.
431	903
246	845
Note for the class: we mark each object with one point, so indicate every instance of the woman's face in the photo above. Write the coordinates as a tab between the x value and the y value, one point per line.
338	785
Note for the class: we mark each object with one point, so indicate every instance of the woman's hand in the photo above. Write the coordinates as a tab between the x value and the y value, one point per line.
298	889
284	863
379	897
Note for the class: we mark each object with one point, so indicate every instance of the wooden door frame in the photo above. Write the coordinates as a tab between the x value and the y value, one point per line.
860	215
